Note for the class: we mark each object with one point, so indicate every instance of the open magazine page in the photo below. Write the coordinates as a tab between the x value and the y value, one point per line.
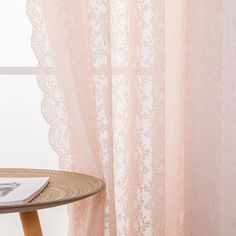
20	190
6	188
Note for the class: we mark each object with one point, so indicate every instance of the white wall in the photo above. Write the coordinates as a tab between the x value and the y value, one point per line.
24	143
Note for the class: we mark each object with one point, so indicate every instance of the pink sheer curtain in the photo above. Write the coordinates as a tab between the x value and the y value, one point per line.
142	94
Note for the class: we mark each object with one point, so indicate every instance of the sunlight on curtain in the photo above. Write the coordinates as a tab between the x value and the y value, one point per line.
143	97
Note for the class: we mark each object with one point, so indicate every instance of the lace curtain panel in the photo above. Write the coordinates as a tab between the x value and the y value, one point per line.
142	94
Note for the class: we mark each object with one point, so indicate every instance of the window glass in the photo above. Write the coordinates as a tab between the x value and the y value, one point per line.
15	35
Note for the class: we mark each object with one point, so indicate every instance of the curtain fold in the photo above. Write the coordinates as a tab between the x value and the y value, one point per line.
141	94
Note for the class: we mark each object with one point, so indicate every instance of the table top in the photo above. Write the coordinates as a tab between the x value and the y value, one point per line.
63	188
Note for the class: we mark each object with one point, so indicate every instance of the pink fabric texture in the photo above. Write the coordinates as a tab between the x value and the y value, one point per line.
142	94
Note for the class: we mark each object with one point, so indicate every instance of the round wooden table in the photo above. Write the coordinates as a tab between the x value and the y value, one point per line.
63	188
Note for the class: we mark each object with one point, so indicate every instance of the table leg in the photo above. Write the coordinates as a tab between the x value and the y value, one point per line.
31	224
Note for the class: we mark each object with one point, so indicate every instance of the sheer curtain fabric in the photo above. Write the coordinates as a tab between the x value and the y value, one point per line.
142	94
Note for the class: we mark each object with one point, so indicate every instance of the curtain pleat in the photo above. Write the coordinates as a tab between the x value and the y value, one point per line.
142	95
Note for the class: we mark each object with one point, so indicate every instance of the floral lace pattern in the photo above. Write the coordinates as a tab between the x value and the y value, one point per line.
140	93
52	105
117	89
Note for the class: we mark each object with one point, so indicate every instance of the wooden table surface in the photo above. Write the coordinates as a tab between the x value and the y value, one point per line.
63	188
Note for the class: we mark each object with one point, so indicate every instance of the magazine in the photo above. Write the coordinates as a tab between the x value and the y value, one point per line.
14	191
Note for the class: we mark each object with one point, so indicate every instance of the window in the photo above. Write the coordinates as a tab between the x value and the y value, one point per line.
16	55
23	131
